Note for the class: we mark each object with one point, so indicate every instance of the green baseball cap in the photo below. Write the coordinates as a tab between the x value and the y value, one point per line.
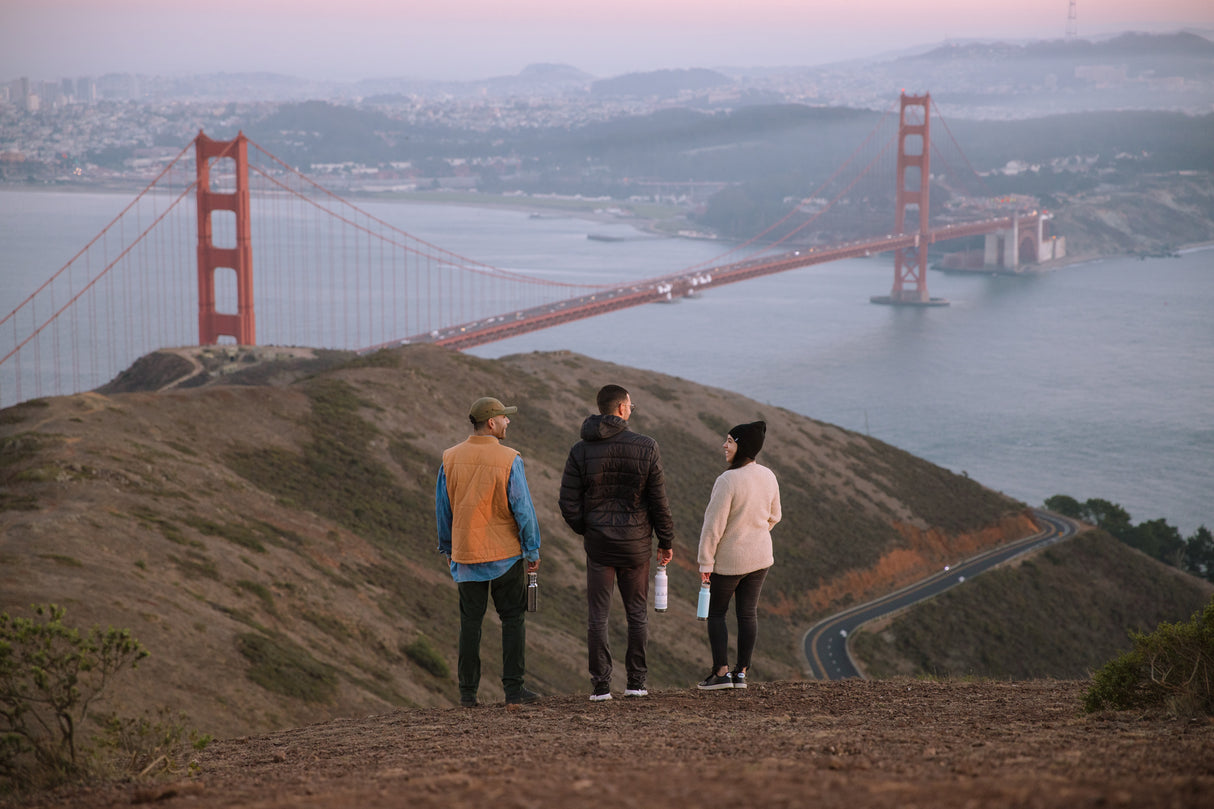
487	407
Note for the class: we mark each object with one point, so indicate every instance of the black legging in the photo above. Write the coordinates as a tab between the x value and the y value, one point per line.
746	588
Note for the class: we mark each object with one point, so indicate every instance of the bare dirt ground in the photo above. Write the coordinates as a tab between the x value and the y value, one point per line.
850	744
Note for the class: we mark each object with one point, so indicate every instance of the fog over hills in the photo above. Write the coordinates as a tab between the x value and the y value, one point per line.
988	78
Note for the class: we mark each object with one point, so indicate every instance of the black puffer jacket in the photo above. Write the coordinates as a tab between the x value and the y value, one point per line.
613	493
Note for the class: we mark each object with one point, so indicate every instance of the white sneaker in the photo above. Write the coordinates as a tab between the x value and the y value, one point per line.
636	692
600	695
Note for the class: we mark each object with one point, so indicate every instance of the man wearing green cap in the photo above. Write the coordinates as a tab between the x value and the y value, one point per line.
488	532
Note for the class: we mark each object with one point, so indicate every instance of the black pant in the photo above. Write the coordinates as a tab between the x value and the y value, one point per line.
746	588
510	601
634	590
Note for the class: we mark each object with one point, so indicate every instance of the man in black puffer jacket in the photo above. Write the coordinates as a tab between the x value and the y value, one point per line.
614	495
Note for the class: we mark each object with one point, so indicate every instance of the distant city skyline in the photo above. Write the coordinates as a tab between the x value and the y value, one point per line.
473	39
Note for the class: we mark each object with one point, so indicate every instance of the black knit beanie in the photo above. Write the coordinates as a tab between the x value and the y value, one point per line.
749	438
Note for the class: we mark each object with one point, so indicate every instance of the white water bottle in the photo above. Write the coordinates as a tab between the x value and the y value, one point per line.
661	590
702	604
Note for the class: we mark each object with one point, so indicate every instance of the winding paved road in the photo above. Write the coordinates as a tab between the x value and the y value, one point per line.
826	642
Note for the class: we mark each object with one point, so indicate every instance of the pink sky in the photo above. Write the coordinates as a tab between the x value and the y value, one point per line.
464	39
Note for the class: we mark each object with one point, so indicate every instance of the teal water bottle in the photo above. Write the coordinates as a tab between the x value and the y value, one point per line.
702	604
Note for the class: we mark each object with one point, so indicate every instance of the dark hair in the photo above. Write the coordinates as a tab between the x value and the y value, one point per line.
610	397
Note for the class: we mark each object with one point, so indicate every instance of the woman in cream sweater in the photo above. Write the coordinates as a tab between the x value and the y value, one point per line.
735	550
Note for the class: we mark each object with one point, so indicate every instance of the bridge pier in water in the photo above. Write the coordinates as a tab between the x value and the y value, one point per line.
1009	250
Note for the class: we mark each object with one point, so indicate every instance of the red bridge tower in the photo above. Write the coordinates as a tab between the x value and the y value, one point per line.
913	178
213	324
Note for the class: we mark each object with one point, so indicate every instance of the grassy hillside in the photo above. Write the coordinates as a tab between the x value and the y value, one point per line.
265	526
1028	620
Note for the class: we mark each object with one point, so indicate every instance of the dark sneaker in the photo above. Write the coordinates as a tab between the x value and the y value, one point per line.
636	689
524	697
602	692
468	702
716	682
739	679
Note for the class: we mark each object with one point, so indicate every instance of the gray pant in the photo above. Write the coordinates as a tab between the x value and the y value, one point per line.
634	590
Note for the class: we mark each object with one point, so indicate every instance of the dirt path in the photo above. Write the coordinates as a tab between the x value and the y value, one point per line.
852	744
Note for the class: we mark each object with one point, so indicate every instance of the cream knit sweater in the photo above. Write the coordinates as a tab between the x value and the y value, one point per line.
743	508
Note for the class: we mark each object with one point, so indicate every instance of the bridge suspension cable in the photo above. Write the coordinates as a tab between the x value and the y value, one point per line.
456	259
332	274
94	280
769	245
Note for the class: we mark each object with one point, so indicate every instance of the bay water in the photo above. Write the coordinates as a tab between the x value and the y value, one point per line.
1093	380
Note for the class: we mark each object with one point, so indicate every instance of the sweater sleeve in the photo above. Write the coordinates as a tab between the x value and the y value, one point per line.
716	517
776	513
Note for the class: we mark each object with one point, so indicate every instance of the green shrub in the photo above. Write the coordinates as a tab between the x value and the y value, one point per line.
242	535
24	502
50	675
383	358
196	565
423	653
145	746
336	476
261	591
1171	668
60	559
284	667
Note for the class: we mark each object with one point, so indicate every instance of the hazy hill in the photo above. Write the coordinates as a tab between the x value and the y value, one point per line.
262	520
1131	45
987	79
1001	80
663	83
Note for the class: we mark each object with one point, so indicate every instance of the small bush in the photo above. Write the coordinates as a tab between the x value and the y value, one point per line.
24	502
50	675
380	359
241	535
423	653
261	591
196	566
60	559
286	668
146	746
1171	668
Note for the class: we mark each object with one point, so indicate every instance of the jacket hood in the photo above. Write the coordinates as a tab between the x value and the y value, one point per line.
600	428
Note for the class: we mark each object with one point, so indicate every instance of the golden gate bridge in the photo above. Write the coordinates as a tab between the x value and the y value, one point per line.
176	266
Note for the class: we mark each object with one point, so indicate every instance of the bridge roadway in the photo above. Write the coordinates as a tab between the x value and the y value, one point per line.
683	284
825	643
